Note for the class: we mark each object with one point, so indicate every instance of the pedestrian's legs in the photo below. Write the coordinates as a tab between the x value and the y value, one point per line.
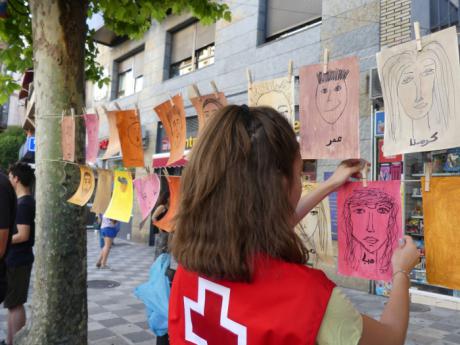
16	320
106	250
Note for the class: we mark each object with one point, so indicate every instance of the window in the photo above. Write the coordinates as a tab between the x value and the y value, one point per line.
443	13
286	17
192	48
130	75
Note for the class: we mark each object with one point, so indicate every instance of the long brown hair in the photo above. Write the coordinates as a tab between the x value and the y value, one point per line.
235	195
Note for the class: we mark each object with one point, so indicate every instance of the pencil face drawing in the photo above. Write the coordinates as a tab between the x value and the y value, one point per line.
329	110
276	93
369	230
420	92
331	94
315	229
206	106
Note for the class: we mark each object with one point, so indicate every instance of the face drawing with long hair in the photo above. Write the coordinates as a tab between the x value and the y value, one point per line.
210	106
418	86
371	227
331	94
314	227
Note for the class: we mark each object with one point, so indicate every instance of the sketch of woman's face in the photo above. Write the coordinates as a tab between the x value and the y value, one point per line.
276	100
331	99
415	88
210	107
370	223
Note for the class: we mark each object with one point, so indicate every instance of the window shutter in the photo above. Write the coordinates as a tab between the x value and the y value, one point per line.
205	35
283	15
182	44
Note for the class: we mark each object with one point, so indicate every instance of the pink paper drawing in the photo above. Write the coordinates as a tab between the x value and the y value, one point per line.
369	227
92	133
147	190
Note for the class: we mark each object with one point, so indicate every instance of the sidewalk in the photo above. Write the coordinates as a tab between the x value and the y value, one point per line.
116	317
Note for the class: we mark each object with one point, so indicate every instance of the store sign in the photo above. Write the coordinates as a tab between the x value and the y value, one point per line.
379	123
30	144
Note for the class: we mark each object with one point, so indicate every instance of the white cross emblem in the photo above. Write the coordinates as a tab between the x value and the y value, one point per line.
198	307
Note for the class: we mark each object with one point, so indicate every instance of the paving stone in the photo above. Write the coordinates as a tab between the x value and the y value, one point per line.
100	334
139	336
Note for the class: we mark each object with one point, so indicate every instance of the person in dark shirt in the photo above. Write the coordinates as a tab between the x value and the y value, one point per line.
20	256
7	219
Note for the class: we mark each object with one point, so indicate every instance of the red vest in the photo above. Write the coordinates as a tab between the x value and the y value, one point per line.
284	304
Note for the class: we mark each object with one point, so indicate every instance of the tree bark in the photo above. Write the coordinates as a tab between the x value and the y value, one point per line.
59	301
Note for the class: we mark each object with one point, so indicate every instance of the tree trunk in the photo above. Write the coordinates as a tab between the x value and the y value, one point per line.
59	301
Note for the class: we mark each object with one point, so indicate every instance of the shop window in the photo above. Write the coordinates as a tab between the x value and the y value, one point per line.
192	48
130	74
443	13
284	18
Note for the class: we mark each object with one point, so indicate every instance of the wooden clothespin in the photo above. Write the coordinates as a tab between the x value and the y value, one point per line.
325	59
165	172
428	168
290	69
72	112
62	114
147	169
249	76
418	39
83	109
214	86
364	176
196	90
117	106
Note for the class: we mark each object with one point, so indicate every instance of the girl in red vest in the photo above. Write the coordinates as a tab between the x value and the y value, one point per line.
242	277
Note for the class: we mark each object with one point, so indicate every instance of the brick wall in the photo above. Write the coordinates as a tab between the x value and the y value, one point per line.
395	22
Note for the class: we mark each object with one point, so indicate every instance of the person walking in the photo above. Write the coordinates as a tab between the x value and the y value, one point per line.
242	277
109	230
20	256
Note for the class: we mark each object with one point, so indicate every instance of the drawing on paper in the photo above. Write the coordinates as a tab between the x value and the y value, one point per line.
206	106
276	93
420	89
147	191
103	191
331	96
130	134
441	219
68	138
315	229
172	116
329	110
121	204
85	187
369	229
92	134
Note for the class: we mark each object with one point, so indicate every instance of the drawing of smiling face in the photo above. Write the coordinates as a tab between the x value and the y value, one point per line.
370	222
415	88
210	107
331	99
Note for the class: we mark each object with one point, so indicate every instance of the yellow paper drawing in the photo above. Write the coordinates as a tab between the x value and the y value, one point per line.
121	204
315	229
276	93
103	191
442	240
85	188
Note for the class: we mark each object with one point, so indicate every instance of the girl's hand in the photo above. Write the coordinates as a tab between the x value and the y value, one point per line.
406	256
349	168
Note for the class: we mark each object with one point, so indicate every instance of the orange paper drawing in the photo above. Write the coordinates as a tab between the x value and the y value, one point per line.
206	106
442	240
114	140
172	116
129	130
85	188
103	191
68	138
167	222
329	110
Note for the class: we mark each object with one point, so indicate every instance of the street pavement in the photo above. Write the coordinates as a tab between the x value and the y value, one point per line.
116	317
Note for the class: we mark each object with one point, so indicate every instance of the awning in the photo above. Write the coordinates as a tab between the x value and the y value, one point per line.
26	80
160	160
